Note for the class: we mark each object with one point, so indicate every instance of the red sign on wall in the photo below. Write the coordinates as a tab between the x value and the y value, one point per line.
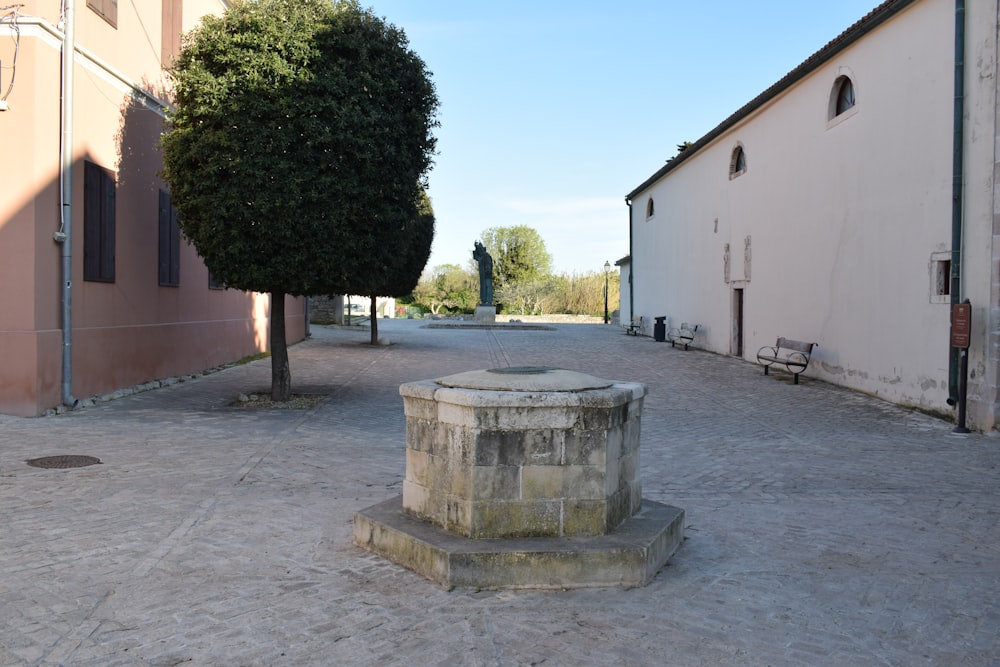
961	324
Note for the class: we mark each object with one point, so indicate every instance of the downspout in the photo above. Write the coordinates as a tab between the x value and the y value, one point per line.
64	237
958	159
631	263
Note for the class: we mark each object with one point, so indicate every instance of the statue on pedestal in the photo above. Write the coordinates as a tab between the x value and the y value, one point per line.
485	262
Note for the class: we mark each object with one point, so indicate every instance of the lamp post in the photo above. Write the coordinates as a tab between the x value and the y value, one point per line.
607	268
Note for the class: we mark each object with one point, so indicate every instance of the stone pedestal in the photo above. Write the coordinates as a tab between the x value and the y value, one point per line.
524	477
486	314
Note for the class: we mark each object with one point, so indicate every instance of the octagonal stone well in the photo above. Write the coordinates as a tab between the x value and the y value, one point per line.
494	454
523	477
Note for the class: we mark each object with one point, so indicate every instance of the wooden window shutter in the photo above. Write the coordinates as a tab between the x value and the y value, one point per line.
106	9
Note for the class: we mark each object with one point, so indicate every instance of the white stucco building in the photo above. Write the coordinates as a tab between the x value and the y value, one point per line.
850	205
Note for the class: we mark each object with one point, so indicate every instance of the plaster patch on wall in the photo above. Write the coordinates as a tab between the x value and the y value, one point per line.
746	259
832	369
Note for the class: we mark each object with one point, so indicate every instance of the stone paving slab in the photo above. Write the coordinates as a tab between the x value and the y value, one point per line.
822	527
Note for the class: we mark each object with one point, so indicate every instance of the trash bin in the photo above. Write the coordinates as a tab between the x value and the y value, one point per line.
660	329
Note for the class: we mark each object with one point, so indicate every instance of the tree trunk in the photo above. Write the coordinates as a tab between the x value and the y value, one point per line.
281	376
374	320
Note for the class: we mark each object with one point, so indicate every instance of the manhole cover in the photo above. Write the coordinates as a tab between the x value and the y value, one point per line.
64	461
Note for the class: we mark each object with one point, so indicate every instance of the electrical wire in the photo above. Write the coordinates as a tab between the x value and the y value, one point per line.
149	40
8	15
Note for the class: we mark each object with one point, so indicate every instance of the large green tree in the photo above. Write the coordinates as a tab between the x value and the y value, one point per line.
519	255
301	128
448	286
392	269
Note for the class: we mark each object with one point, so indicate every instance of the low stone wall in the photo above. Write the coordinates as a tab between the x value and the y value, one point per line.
326	309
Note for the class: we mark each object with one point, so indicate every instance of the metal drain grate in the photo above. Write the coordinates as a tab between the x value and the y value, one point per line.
64	461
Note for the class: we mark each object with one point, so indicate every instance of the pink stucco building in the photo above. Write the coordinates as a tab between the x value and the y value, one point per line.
97	289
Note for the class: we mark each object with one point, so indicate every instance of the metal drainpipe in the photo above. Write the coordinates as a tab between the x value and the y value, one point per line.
64	237
631	264
956	189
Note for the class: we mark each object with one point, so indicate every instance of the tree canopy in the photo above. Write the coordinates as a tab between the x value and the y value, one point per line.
297	149
448	286
389	267
519	255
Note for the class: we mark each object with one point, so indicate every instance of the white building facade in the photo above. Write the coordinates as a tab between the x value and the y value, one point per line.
845	206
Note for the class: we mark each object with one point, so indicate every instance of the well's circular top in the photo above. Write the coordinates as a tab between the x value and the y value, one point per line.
524	378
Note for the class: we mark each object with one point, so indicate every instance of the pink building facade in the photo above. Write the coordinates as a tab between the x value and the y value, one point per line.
81	191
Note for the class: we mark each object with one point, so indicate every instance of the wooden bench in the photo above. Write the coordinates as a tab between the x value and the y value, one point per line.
635	326
792	354
683	335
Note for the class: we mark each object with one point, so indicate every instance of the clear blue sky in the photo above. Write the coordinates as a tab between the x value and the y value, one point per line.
552	111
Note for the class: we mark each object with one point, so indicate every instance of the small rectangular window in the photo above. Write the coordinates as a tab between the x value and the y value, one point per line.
941	277
942	282
213	283
170	243
98	224
106	9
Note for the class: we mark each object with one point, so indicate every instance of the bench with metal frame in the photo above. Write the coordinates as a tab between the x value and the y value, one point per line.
794	355
683	335
635	326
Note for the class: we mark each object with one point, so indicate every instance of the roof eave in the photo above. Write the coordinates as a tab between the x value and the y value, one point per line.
868	23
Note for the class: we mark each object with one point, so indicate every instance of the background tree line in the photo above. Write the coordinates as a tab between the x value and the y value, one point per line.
523	281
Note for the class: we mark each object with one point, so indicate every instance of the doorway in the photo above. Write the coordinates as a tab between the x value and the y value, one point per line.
737	341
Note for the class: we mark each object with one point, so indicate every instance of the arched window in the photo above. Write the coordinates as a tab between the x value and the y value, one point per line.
845	95
842	97
649	208
738	162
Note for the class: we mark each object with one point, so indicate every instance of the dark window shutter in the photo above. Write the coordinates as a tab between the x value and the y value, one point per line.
98	224
107	226
169	242
163	258
91	221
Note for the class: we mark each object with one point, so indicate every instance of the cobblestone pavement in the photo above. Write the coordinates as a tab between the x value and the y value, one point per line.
823	527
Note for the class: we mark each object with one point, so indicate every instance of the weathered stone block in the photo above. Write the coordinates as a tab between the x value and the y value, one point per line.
496	482
563	482
418	470
421	408
586	447
586	517
515	518
507	448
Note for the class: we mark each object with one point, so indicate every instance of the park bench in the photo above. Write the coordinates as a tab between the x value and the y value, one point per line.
792	354
683	335
635	326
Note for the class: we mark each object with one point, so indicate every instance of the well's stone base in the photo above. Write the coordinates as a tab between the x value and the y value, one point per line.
486	314
628	556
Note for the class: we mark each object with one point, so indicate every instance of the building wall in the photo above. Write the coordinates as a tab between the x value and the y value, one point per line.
980	248
837	228
624	292
131	330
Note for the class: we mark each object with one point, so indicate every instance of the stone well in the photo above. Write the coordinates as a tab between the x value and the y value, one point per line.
523	477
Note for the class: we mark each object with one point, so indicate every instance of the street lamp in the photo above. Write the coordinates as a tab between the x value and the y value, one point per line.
607	268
